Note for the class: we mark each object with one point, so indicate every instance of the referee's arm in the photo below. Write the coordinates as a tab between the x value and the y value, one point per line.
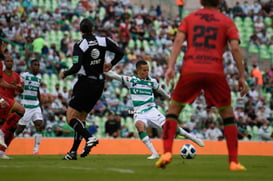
73	70
76	65
113	47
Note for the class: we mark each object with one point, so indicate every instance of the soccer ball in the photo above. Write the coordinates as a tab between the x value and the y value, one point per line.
187	151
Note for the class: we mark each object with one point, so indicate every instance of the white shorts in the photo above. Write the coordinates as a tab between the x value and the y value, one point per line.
31	115
152	118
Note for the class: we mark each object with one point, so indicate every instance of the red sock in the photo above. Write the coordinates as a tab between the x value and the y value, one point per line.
8	138
230	132
169	132
2	149
10	122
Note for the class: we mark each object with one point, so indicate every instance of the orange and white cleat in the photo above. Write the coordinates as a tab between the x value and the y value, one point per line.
164	160
236	167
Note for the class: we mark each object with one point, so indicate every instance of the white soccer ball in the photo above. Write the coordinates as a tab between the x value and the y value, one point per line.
187	151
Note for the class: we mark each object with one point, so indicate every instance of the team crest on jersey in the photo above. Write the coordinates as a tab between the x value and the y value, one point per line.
95	53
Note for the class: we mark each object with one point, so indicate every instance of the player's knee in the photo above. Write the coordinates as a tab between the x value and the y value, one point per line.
19	110
20	129
140	126
39	125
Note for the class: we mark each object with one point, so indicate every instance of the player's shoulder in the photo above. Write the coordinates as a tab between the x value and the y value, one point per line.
125	78
15	73
128	77
24	73
39	76
151	79
78	42
101	40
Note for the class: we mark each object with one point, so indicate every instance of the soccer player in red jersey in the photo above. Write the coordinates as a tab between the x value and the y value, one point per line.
207	33
10	110
10	77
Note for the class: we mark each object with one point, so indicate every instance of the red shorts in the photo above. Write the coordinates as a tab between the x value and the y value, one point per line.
6	111
215	87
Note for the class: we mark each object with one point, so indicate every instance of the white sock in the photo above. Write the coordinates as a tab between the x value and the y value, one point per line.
37	141
149	145
185	133
2	133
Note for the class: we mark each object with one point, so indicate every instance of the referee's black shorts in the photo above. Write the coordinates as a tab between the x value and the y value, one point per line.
86	93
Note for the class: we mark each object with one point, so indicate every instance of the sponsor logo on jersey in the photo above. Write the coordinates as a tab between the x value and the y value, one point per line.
92	43
95	53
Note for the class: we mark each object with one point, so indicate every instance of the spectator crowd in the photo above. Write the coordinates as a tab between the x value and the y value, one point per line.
145	33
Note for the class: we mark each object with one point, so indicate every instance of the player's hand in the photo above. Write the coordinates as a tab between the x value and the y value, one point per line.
61	75
169	75
107	67
3	104
3	46
242	87
19	88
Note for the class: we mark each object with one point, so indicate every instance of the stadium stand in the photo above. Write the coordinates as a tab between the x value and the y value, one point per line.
151	38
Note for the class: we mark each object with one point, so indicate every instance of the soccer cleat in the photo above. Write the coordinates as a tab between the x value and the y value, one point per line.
35	153
165	159
4	156
2	139
236	167
153	156
70	156
198	141
92	141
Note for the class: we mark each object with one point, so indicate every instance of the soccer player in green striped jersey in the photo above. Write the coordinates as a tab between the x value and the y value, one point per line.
30	99
141	89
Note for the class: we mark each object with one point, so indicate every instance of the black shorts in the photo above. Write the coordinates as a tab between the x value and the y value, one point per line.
86	93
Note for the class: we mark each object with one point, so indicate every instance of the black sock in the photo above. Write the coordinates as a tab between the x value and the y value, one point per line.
79	128
76	143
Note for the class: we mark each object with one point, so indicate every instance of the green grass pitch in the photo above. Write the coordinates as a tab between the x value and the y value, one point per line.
132	168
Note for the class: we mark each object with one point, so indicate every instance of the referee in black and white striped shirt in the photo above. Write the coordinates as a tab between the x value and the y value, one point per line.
89	64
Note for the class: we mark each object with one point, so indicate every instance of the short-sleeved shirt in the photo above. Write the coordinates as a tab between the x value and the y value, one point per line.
90	54
14	78
141	92
207	32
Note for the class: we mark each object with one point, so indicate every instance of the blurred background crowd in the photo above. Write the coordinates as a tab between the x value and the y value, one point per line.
47	30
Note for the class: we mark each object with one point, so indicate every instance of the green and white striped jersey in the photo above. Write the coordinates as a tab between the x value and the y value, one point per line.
29	98
141	92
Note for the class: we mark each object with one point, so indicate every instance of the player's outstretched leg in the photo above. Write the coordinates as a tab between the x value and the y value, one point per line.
146	140
193	138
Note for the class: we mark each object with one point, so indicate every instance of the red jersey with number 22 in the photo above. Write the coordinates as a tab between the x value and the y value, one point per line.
207	33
